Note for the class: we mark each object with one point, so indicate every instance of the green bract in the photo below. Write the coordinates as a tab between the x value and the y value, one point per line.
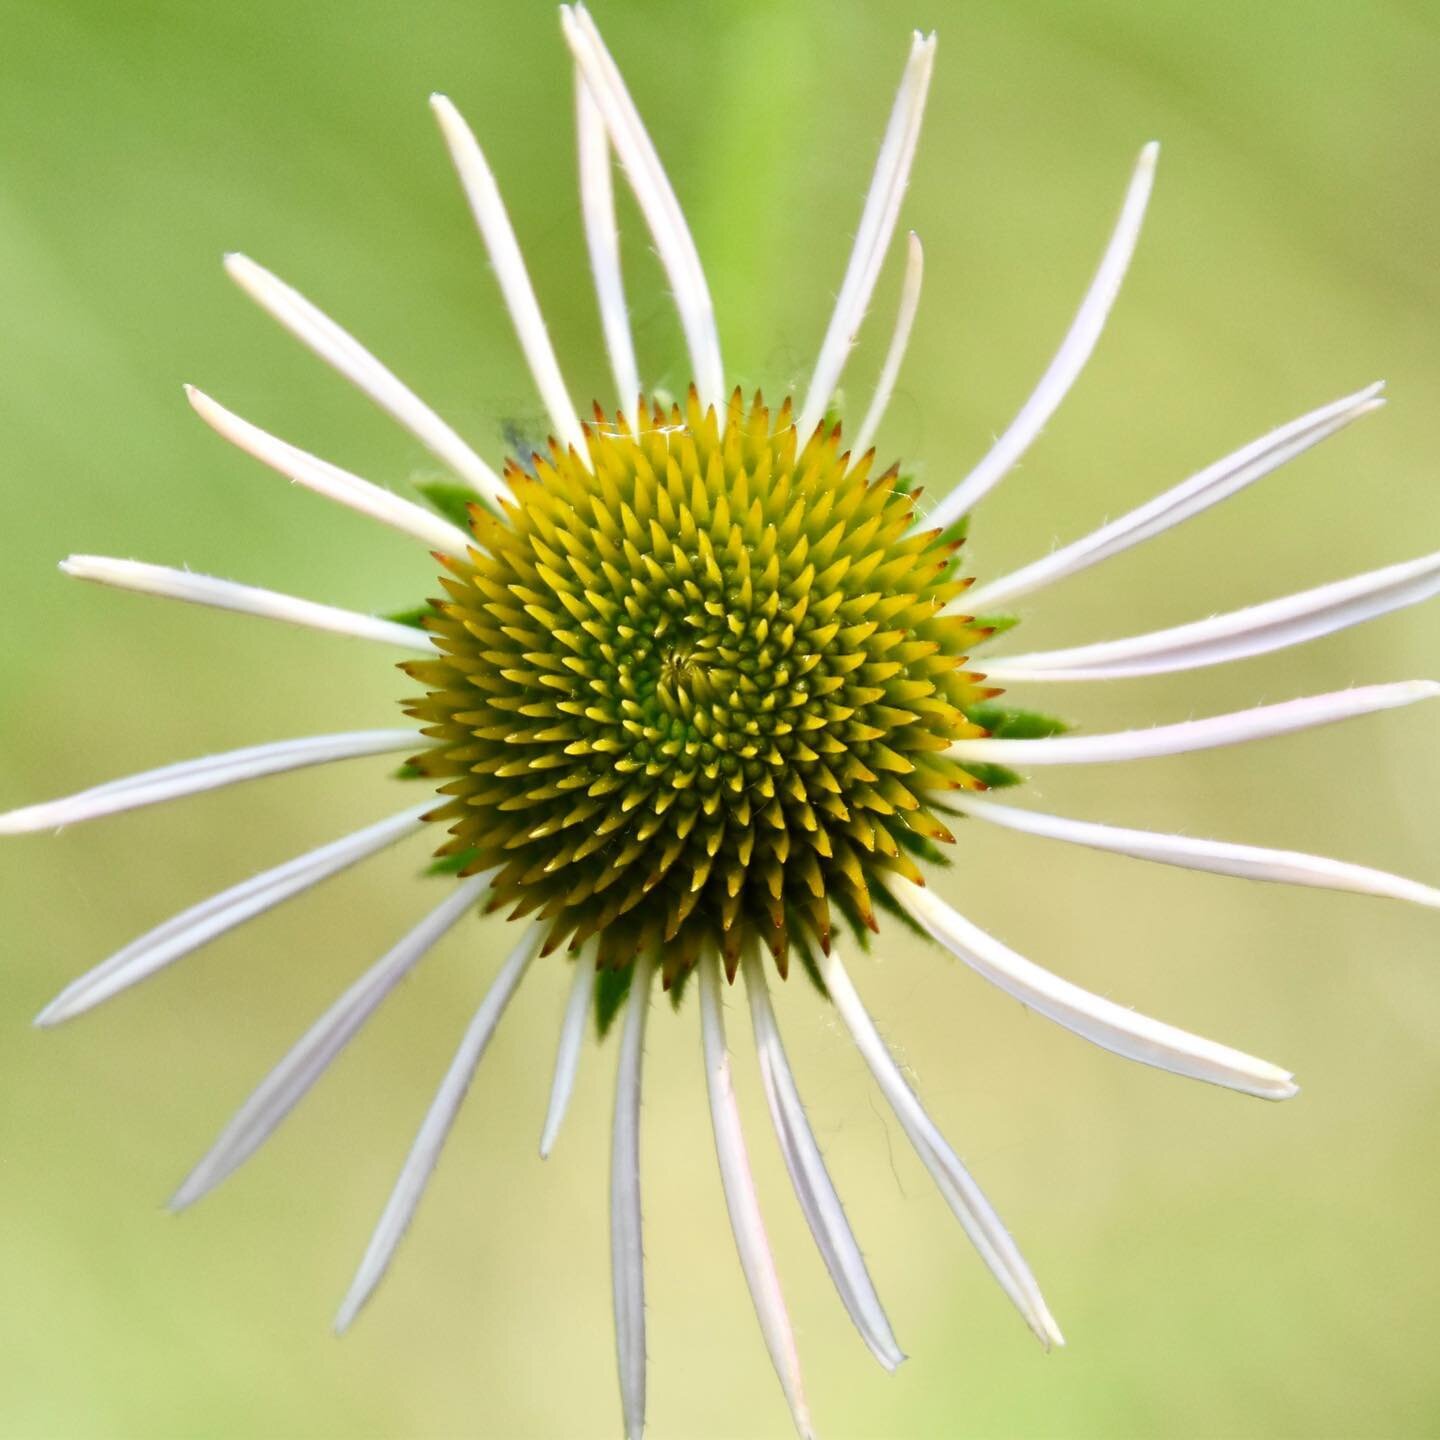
697	692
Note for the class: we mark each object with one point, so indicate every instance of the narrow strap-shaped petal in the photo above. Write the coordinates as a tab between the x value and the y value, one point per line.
331	481
1070	359
211	918
313	1054
813	1187
1182	502
1103	1022
964	1197
602	239
435	1130
499	235
1261	723
627	1248
192	777
899	341
656	198
872	239
312	327
194	589
567	1052
1256	630
743	1203
1249	862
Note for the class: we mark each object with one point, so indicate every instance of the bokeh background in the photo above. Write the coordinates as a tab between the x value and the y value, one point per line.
1222	1267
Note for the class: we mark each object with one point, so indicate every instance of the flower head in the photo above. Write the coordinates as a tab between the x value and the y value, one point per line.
707	689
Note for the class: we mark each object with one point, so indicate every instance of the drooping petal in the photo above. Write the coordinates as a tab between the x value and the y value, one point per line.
899	340
499	235
964	1197
185	585
657	202
1075	350
339	348
435	1130
1249	862
567	1053
872	239
331	481
1240	726
602	239
1112	1026
627	1249
756	1258
289	1082
192	777
1191	497
813	1187
1256	630
211	918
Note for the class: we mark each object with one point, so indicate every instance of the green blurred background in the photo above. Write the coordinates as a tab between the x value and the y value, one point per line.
1220	1266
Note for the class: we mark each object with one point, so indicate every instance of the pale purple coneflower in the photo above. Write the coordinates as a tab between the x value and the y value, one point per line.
682	820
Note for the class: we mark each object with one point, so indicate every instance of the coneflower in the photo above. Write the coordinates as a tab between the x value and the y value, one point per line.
702	691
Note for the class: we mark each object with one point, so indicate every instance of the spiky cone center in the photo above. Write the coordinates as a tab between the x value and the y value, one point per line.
698	693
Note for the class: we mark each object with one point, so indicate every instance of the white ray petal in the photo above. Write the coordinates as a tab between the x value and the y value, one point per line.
331	481
1214	731
499	235
813	1187
656	198
339	348
743	1203
435	1130
567	1053
1191	497
1070	359
211	918
597	205
1256	630
872	239
899	341
1101	1021
964	1197
627	1249
290	1081
185	585
192	777
1249	862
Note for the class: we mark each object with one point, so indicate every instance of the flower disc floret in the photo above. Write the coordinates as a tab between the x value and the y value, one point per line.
697	690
